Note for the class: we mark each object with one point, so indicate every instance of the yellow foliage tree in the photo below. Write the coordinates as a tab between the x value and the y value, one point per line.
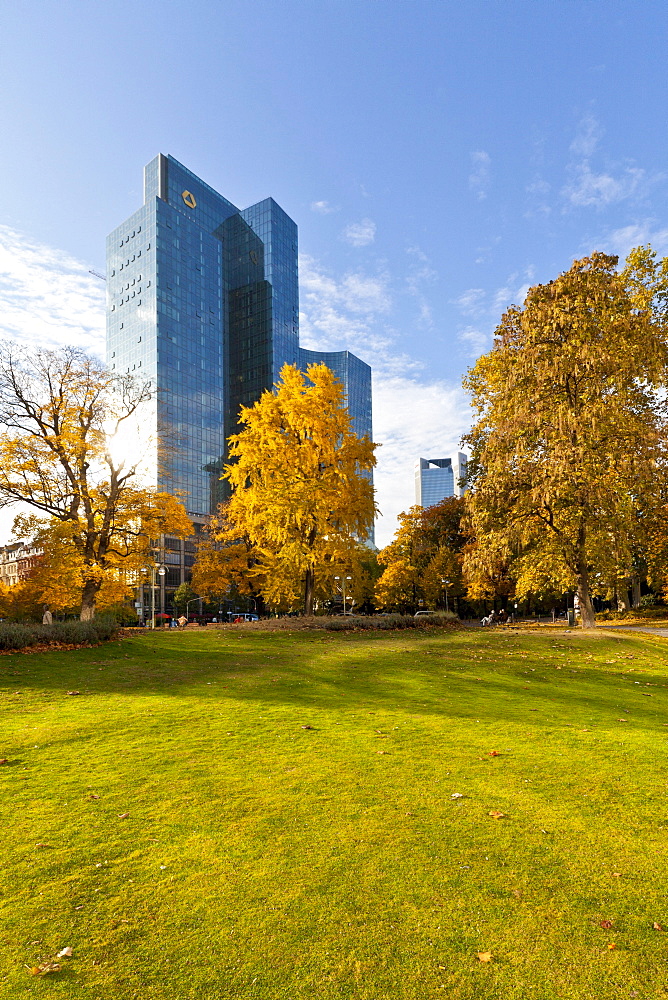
300	497
425	551
226	561
60	413
570	427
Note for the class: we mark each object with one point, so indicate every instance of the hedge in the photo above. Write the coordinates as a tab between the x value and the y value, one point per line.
341	623
73	633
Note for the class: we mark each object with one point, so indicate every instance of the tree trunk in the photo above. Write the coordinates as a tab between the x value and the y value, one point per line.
587	616
635	584
88	598
623	598
309	588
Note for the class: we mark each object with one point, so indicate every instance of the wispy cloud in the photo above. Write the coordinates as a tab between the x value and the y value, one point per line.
479	178
485	309
323	207
360	234
48	297
413	414
621	241
589	186
476	341
420	276
472	302
347	313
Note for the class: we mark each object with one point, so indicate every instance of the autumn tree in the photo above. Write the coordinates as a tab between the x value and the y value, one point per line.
62	418
569	431
425	551
227	562
300	494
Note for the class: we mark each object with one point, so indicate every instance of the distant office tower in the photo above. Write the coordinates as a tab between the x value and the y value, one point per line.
438	478
356	378
203	300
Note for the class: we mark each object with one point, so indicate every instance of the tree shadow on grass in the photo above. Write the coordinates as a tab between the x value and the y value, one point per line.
426	675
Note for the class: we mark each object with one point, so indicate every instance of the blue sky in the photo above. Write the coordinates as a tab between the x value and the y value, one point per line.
438	157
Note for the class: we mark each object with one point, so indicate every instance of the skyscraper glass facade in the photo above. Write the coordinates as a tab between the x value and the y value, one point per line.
438	478
203	301
356	378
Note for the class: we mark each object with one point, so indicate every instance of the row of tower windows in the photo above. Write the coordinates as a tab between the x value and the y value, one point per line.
130	235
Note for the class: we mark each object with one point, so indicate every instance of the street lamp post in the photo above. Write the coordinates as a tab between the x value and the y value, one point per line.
188	603
160	570
343	588
446	584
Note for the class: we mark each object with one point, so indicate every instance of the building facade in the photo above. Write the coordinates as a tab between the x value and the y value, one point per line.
18	560
203	302
438	478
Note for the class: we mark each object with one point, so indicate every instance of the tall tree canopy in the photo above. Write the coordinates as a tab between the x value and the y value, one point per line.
61	417
568	444
300	497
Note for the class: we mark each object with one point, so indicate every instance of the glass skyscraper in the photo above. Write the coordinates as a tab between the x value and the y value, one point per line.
203	301
438	478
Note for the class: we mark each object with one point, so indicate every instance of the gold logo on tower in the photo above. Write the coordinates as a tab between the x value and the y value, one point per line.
189	199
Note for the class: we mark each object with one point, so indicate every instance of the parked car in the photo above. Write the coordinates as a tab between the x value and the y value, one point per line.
419	614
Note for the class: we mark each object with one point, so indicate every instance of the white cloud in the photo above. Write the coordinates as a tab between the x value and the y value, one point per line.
412	418
479	178
322	207
589	187
360	234
477	341
471	302
48	297
620	241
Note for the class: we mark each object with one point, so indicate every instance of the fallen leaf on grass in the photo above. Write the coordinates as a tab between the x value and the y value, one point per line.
41	845
4	760
611	945
485	956
91	796
74	692
43	969
496	814
457	795
307	727
657	927
65	953
493	753
123	815
606	924
622	720
381	751
616	874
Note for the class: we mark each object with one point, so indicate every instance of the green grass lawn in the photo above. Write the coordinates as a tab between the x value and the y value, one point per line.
261	859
